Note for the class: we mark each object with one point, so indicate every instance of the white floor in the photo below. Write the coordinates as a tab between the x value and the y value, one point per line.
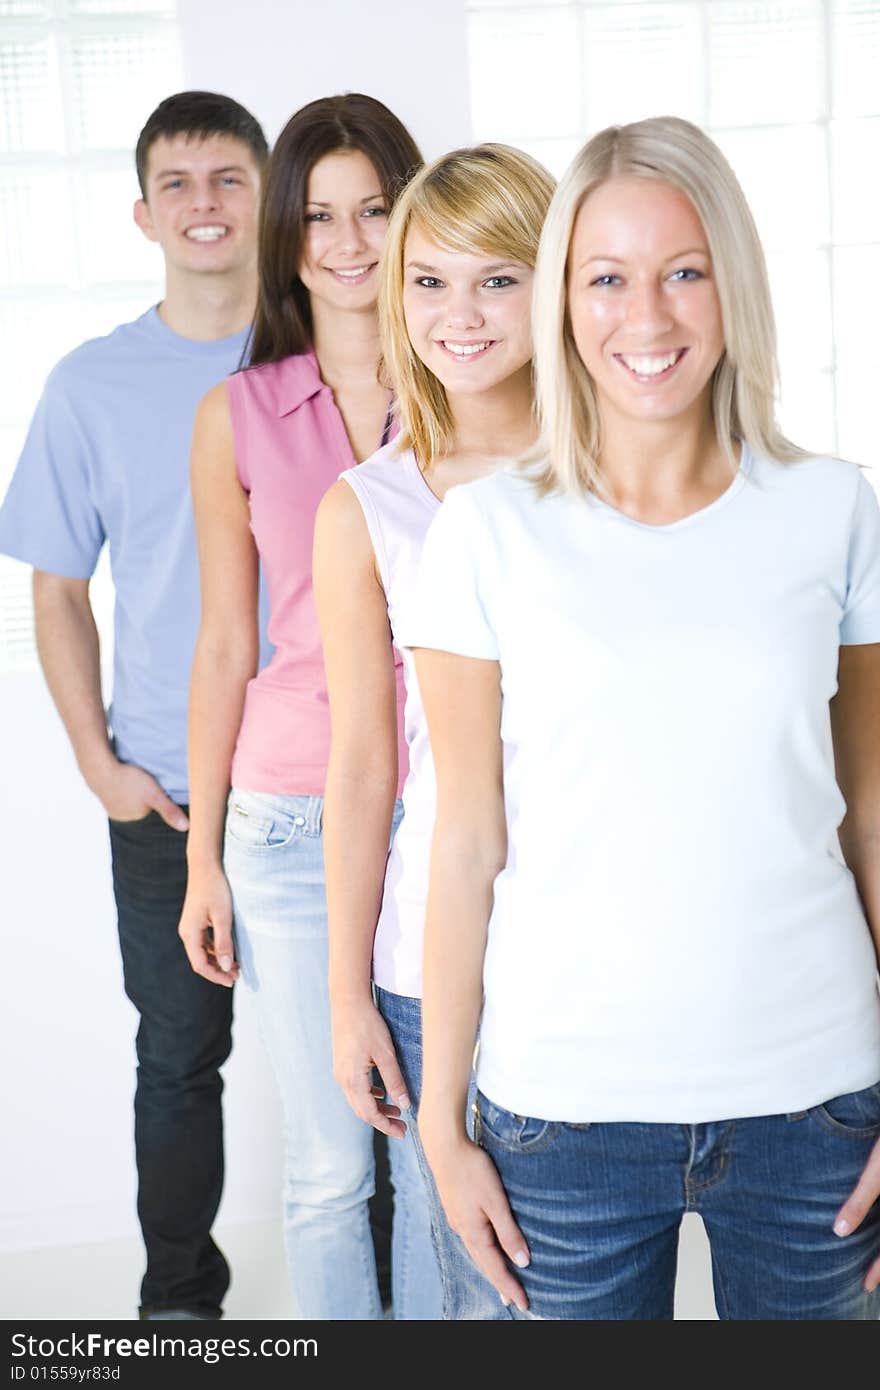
79	1282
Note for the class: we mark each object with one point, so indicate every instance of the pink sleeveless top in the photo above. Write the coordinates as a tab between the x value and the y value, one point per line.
290	446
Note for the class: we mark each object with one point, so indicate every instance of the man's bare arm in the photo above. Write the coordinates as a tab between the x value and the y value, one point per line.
69	649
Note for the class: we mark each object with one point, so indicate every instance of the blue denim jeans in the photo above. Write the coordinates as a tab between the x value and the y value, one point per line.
273	856
467	1296
600	1206
184	1035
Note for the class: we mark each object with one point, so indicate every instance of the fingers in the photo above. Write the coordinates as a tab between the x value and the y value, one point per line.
199	946
369	1104
509	1235
478	1211
487	1256
203	964
862	1197
170	812
392	1077
220	945
361	1042
872	1278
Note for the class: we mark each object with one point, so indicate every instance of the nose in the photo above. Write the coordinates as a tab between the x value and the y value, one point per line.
205	196
462	309
648	313
351	235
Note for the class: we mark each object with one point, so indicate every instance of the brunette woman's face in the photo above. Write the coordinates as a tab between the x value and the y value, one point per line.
467	313
642	300
346	216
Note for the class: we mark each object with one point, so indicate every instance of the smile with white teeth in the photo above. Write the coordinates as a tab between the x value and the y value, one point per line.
213	233
354	275
466	349
653	365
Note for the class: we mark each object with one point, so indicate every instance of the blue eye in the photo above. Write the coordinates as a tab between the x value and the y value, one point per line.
603	281
373	212
428	282
686	274
499	282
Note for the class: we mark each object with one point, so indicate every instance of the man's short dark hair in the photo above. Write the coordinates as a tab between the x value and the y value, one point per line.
199	114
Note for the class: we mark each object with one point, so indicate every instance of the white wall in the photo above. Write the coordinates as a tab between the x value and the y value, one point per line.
274	57
66	1029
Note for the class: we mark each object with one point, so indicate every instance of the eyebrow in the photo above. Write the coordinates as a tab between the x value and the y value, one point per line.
226	169
371	198
616	260
486	269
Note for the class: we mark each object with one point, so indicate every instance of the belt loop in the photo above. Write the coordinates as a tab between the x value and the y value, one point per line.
314	814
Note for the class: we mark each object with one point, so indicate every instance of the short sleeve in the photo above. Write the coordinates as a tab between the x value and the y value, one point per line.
49	518
451	609
860	623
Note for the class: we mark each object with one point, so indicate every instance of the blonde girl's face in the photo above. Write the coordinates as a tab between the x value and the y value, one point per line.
642	300
467	313
346	217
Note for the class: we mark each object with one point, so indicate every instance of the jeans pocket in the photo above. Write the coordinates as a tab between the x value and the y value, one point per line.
516	1133
855	1114
134	821
258	824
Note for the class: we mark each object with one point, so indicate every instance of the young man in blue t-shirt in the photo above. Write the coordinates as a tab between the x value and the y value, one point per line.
106	459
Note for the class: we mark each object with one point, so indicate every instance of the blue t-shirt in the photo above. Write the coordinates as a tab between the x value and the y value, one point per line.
107	459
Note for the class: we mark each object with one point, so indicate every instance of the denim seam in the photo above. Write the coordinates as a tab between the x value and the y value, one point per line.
697	1188
719	1280
832	1126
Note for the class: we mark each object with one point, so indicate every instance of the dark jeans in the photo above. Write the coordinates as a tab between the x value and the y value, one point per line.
600	1206
184	1036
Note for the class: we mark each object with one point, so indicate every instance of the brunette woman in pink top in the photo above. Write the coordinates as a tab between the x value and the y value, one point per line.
267	445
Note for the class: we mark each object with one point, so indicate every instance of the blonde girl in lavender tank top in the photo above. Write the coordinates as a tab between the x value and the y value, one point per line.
454	305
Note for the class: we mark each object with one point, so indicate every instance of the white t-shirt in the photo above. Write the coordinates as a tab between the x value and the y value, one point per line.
675	936
398	507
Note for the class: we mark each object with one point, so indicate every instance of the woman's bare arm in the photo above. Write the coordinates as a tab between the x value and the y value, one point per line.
359	797
855	724
226	657
462	699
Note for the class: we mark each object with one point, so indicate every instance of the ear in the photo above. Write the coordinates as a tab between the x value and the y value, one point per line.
144	220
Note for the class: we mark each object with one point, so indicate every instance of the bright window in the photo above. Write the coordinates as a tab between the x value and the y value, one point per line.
791	91
78	78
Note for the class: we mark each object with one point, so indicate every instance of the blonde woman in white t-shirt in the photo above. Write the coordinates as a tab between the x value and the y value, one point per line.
455	296
650	665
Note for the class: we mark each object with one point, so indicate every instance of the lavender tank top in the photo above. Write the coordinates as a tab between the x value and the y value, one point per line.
398	507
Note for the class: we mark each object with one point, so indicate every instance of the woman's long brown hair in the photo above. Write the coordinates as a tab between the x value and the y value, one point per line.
283	322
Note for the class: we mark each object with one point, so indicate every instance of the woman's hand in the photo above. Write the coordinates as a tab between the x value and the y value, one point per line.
361	1041
206	926
856	1207
478	1211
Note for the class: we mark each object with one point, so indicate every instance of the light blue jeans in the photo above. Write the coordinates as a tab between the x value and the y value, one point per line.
273	857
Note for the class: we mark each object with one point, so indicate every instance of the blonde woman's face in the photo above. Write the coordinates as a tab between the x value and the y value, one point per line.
642	300
467	313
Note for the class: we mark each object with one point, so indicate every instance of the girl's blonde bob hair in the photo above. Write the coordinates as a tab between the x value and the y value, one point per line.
745	380
489	198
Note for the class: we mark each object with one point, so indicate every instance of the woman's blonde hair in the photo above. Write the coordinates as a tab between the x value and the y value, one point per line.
489	198
744	383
